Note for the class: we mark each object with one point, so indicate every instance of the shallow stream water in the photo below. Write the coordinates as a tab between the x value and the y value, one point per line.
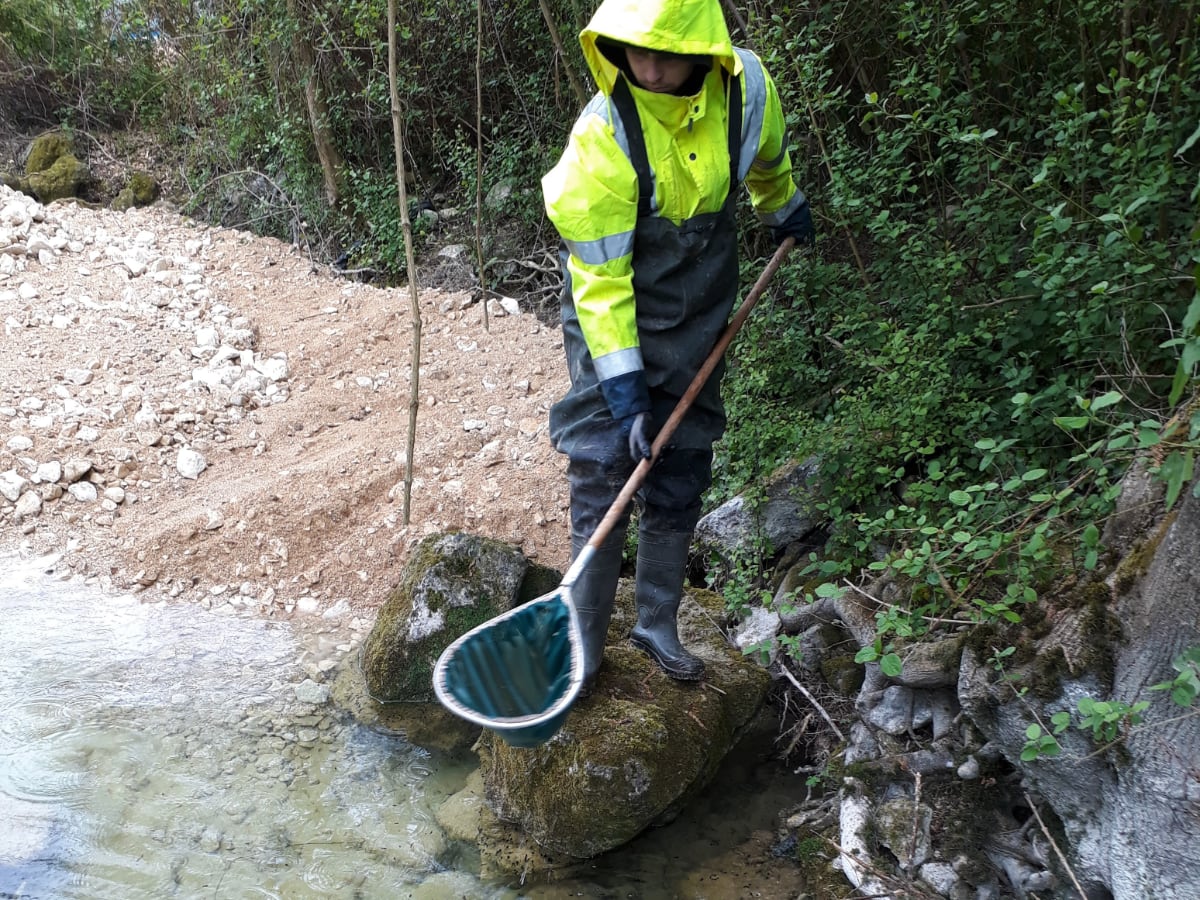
156	750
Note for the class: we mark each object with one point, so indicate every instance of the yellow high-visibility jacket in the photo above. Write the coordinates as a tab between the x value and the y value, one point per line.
591	194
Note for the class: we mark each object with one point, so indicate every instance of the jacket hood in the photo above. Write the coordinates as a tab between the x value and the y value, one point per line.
684	27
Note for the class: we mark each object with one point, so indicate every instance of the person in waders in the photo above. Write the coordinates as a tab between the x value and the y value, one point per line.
643	198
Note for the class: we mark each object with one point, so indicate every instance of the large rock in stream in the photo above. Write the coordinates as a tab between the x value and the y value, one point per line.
629	756
634	753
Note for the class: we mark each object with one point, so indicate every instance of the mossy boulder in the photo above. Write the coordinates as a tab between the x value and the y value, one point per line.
632	754
46	150
52	170
452	583
63	179
142	190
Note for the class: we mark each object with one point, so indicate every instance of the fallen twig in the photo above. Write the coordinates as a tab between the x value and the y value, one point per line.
899	888
813	700
1057	852
912	841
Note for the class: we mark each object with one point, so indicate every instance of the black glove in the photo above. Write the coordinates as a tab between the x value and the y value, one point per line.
798	225
639	437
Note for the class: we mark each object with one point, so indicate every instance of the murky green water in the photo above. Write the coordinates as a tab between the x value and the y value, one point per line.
165	751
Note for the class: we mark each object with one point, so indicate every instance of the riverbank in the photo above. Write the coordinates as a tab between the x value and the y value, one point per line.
201	414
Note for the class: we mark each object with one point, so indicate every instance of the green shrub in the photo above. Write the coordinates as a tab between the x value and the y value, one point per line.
996	252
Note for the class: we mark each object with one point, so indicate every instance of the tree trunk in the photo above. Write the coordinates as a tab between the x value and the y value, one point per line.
552	27
332	165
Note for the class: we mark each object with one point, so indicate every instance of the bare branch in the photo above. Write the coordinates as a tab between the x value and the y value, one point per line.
813	700
1054	844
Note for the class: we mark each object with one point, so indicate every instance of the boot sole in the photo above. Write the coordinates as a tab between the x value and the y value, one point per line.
675	676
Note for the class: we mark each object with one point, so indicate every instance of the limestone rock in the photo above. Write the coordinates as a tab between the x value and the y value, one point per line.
1119	805
784	516
451	583
63	179
142	190
46	150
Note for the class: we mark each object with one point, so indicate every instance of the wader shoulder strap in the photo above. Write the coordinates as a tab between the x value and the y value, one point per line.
627	110
733	91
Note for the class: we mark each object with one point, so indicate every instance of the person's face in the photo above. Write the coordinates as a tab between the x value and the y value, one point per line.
658	72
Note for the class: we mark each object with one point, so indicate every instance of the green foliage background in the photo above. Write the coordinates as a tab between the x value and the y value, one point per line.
1005	305
1002	307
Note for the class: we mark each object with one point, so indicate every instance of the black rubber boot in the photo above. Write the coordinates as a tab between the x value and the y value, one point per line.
593	594
661	568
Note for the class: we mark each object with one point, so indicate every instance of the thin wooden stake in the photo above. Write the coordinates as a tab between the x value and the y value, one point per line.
414	393
1061	858
483	298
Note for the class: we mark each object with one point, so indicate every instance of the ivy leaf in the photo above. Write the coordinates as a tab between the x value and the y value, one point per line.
890	665
866	654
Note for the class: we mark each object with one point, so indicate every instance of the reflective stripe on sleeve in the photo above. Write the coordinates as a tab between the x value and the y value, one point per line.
781	215
602	250
754	107
617	363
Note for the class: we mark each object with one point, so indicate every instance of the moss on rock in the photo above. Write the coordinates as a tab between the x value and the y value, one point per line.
142	190
1137	563
538	581
843	674
452	583
63	179
46	150
637	750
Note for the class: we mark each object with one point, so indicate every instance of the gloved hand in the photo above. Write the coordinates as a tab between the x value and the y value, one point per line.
798	225
639	437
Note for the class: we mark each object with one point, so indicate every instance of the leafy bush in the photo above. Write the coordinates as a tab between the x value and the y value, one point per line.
97	63
998	251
